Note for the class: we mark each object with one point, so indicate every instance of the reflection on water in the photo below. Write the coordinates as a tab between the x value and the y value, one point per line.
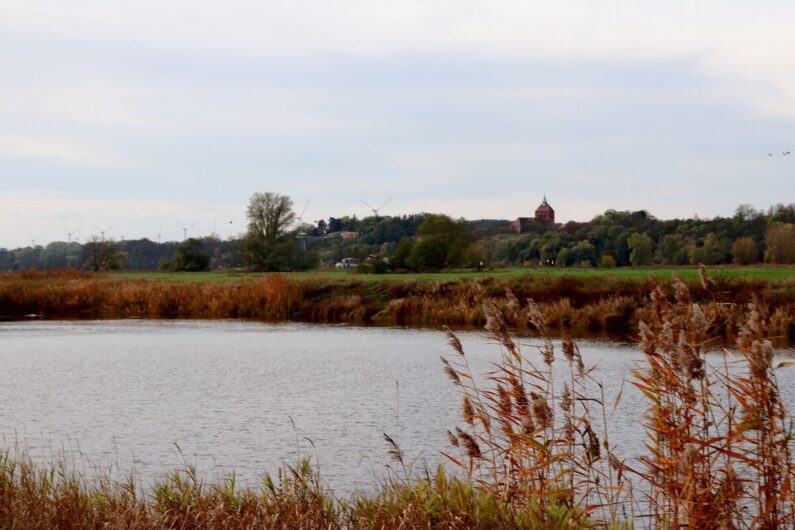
250	397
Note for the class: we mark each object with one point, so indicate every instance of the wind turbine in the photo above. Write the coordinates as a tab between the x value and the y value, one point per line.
69	233
32	240
185	230
300	217
302	235
102	231
159	232
375	210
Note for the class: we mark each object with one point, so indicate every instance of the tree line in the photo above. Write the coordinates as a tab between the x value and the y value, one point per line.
275	241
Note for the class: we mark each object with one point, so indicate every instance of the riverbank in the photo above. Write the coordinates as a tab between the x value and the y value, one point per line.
585	306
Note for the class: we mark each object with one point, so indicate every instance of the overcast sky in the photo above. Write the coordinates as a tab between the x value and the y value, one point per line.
139	115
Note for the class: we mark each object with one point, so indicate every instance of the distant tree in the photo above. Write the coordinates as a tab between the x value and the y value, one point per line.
441	243
228	254
102	255
781	213
477	256
334	225
263	256
27	257
269	215
607	261
709	253
640	246
146	254
584	251
60	254
620	244
780	243
746	212
550	245
189	256
266	246
673	249
745	251
565	258
7	262
400	257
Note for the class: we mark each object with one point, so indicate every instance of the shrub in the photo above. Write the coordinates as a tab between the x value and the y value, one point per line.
607	261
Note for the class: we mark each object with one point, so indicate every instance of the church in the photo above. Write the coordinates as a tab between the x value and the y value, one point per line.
545	215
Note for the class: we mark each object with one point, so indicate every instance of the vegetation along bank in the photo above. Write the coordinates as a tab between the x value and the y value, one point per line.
586	305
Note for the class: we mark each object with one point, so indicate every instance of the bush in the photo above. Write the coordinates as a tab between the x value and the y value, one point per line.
607	262
190	257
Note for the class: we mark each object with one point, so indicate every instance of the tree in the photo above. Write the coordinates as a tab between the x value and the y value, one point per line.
400	257
583	252
266	246
269	215
745	251
60	254
441	243
709	253
607	261
640	249
565	258
190	256
102	255
780	243
674	249
261	255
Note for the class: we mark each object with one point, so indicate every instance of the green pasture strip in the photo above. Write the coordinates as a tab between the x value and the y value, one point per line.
629	273
209	276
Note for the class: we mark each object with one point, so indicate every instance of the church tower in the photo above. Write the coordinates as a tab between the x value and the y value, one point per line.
544	213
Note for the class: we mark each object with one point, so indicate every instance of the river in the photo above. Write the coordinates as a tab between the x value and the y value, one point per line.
245	397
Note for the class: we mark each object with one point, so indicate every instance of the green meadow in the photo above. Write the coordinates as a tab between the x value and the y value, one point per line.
631	273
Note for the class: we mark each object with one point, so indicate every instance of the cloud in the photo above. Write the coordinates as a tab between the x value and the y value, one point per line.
462	105
733	37
34	148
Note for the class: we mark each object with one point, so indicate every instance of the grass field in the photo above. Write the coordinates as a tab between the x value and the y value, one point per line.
663	273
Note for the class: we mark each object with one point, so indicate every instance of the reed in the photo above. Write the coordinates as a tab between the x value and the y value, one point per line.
720	454
33	497
529	441
719	449
580	306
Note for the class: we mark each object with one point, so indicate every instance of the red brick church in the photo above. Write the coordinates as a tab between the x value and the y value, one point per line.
545	215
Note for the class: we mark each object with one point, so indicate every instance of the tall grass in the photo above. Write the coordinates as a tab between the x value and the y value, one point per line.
535	443
720	438
718	435
582	306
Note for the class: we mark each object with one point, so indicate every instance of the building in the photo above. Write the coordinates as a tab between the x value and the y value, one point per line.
545	215
347	236
347	263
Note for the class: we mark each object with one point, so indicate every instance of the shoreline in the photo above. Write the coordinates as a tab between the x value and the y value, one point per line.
606	307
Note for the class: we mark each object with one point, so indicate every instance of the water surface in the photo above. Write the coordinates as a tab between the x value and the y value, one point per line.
228	396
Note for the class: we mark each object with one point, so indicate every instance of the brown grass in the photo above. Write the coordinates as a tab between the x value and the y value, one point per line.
719	437
582	306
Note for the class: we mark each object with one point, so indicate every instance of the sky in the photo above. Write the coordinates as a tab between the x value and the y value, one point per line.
140	118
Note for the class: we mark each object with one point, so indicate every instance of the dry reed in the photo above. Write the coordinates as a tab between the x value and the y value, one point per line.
580	306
